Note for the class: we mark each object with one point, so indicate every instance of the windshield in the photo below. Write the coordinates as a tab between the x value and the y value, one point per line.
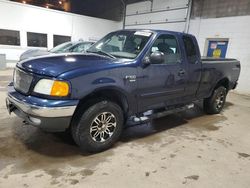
122	44
81	47
62	47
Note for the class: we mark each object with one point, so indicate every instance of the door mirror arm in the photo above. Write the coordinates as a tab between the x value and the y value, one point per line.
156	57
146	61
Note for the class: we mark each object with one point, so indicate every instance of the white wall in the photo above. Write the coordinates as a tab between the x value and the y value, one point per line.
27	18
237	29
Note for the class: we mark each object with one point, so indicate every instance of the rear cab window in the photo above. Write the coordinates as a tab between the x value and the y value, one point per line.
190	48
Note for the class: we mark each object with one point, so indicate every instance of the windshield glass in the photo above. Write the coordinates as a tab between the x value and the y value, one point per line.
122	44
62	47
81	47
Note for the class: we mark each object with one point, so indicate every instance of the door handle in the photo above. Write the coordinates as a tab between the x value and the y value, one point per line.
181	72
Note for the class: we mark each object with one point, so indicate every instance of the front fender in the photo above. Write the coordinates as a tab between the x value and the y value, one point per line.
112	80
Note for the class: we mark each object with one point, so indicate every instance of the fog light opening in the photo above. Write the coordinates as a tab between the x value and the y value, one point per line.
35	120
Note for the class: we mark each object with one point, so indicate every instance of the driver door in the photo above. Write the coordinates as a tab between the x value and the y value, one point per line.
161	85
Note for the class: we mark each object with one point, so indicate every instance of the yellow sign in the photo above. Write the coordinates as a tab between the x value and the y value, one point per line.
217	52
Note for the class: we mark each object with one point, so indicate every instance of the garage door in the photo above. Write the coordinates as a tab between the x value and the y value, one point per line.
158	14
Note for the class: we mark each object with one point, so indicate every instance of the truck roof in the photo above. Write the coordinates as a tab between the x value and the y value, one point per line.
158	31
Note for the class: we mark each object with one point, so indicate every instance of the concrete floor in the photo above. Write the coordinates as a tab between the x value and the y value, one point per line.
188	149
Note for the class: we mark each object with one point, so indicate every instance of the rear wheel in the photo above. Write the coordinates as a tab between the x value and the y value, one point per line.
215	103
99	127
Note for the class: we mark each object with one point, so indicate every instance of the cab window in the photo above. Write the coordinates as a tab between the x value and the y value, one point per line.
167	44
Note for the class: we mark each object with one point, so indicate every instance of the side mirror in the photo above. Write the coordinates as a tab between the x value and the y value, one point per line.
157	57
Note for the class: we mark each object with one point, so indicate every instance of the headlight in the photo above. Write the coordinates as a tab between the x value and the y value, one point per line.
52	87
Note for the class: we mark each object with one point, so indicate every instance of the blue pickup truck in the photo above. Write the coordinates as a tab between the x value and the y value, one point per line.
128	75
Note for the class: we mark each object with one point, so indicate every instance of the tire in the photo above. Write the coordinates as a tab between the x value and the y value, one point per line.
215	103
99	127
77	116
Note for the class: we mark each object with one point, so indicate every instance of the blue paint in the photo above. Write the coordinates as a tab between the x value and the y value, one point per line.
103	81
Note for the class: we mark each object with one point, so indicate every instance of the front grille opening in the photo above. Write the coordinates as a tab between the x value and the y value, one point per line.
22	81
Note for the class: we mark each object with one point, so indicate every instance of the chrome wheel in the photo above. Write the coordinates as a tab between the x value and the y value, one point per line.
220	100
103	127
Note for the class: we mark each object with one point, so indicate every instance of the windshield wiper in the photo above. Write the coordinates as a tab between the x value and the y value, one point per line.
102	53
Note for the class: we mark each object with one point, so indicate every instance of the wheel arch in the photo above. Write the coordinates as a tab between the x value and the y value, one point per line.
223	82
111	93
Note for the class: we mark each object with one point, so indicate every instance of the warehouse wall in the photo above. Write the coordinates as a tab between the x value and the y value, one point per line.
237	31
225	19
220	8
27	18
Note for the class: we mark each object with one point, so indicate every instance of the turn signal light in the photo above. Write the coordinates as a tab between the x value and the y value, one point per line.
60	89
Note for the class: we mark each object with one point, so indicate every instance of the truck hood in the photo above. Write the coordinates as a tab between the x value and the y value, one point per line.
33	53
54	65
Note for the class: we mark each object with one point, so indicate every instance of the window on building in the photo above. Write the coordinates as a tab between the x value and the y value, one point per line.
9	37
37	39
59	39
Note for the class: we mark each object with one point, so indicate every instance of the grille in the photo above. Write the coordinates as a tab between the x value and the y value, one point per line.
22	81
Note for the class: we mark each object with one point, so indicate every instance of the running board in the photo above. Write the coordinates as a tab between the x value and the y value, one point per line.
172	111
148	115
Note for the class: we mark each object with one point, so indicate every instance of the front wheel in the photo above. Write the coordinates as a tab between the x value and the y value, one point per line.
215	103
99	127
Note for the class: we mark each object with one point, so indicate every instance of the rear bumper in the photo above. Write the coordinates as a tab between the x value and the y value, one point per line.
50	115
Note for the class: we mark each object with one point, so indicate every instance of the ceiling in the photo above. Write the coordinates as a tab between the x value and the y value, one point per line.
107	9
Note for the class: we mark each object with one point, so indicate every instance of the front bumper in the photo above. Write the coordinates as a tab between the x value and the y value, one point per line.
50	115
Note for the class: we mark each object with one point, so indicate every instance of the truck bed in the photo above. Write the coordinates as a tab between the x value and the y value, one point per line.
216	69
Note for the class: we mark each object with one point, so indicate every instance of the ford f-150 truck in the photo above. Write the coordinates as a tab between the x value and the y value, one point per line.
127	75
